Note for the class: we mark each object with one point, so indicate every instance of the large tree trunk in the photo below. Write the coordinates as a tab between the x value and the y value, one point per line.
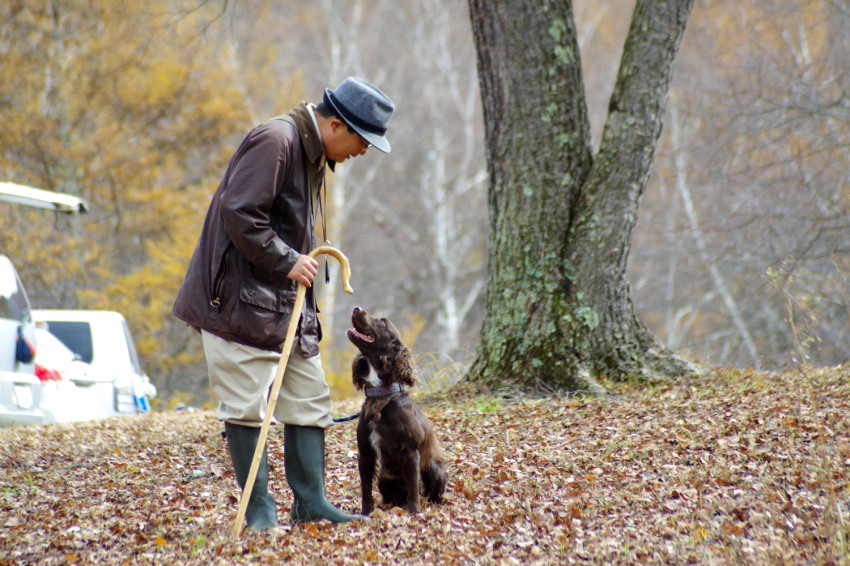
559	308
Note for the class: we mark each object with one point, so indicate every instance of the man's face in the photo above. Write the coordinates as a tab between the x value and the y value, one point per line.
344	142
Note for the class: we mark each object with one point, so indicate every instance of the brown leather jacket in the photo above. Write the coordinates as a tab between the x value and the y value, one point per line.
258	223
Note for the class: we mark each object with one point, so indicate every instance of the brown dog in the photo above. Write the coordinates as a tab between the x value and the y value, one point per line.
392	430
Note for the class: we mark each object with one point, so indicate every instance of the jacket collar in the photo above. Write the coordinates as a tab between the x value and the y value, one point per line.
310	138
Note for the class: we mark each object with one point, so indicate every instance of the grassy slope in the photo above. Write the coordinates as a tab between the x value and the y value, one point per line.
730	468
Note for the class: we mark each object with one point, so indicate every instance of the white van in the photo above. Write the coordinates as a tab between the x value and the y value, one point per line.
102	340
112	385
15	314
20	389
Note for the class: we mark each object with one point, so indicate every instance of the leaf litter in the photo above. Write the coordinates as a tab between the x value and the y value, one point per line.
735	467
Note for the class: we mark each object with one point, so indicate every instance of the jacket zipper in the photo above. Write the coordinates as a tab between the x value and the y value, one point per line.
219	281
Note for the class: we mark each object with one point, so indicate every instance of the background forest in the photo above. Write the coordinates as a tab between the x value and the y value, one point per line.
744	226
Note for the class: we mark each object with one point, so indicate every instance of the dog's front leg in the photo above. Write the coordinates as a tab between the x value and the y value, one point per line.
367	474
366	460
411	480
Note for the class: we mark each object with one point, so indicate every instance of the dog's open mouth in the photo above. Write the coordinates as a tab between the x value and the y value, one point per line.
360	335
359	330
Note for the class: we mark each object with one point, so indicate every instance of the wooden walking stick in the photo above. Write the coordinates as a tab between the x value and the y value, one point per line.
278	378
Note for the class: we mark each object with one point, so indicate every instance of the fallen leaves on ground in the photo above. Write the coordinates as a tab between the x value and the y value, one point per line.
732	468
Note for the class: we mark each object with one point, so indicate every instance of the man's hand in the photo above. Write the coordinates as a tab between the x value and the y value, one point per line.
304	270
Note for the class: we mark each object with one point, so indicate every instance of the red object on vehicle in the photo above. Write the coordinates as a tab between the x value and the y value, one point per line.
47	374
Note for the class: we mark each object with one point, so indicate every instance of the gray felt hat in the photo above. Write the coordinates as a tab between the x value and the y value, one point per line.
365	108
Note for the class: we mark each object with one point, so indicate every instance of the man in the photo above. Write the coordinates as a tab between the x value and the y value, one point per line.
240	287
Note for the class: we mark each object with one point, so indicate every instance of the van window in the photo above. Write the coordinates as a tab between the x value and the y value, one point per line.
75	335
13	299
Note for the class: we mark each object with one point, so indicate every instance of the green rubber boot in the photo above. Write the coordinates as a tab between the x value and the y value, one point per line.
261	513
304	460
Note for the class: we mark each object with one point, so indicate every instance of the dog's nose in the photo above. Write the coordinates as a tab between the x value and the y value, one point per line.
357	309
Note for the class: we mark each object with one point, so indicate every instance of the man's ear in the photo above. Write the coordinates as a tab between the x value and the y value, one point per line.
336	124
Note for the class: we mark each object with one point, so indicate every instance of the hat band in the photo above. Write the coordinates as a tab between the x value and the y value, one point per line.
355	120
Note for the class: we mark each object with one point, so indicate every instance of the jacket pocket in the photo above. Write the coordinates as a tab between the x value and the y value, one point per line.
261	314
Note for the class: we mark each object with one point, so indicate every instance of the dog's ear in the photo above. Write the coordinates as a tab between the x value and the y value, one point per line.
403	366
359	371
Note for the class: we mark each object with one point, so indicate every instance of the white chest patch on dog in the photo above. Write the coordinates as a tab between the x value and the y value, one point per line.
372	379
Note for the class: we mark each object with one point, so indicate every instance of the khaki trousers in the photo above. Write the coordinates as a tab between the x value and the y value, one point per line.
241	376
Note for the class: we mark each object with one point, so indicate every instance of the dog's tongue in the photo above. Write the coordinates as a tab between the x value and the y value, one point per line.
364	337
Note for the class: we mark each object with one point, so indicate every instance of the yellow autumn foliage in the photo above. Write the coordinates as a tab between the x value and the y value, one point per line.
135	107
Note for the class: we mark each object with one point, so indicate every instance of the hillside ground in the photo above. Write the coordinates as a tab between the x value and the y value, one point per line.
733	467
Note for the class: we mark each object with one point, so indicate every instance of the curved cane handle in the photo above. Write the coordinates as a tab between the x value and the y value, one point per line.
343	261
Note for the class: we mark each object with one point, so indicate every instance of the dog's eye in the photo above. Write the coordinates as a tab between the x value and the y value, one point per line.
384	321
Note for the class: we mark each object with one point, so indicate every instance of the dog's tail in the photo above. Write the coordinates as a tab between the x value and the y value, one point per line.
434	480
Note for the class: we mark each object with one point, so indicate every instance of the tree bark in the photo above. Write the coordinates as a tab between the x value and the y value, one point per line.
559	309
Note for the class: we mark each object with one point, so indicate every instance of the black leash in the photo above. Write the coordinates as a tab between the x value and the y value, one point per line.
346	419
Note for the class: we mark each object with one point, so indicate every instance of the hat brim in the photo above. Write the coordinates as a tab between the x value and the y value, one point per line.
378	141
